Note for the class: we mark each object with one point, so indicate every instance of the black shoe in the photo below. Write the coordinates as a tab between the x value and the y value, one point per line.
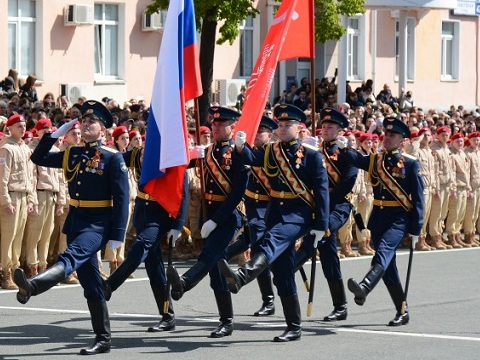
163	325
99	347
107	290
289	335
400	319
267	309
338	313
24	287
222	330
178	286
233	281
358	290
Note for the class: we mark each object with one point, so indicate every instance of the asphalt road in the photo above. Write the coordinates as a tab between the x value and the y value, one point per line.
444	300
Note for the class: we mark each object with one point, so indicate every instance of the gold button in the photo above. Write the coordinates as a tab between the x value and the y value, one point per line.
81	171
79	182
77	194
281	202
256	196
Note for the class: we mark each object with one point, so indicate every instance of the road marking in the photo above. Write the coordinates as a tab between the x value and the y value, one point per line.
259	324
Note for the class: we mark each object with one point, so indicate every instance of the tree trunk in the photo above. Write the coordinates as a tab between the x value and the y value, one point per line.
207	54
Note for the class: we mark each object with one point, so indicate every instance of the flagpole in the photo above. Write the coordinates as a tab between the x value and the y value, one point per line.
313	90
200	163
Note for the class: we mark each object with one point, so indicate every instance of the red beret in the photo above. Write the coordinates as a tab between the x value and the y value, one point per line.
375	137
119	130
365	136
424	129
204	130
467	142
12	120
27	134
381	137
414	134
443	129
133	133
357	134
347	133
319	132
457	136
474	134
43	124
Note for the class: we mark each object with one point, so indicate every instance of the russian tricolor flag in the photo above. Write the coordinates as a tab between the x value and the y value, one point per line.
177	80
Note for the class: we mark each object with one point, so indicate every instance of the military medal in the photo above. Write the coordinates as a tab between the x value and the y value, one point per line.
300	155
227	159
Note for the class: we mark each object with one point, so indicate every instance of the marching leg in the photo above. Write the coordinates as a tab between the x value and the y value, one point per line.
101	328
225	310
266	288
38	284
362	289
337	290
397	295
181	284
291	310
237	279
167	322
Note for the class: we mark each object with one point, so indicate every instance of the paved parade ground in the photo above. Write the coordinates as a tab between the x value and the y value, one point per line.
444	299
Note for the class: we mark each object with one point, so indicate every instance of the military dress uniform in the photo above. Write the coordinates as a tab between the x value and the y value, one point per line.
225	179
257	197
98	186
397	211
298	204
341	179
152	222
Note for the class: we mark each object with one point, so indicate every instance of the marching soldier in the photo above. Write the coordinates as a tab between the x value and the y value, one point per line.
341	178
16	196
257	197
225	183
473	205
397	211
298	206
446	182
98	186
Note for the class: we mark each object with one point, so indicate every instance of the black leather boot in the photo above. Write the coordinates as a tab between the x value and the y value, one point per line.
39	283
118	277
293	317
237	279
225	309
101	328
266	288
397	295
167	322
337	290
181	284
362	289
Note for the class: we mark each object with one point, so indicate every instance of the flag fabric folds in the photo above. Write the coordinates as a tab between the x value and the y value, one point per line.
177	80
290	36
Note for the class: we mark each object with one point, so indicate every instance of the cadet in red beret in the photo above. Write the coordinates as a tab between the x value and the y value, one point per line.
16	196
205	135
135	139
443	129
473	204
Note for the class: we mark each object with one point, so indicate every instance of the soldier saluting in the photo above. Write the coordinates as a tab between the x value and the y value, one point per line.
98	186
397	211
299	205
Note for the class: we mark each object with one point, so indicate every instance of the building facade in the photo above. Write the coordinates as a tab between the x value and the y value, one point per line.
110	48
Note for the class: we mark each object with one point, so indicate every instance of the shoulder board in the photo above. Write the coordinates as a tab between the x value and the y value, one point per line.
311	147
109	149
408	156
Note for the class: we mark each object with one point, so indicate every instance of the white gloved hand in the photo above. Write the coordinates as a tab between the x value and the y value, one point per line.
342	142
240	140
207	228
175	235
414	240
318	236
197	152
62	130
311	140
114	244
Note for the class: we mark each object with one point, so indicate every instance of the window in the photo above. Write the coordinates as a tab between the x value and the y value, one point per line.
450	50
355	46
106	41
410	48
21	36
246	47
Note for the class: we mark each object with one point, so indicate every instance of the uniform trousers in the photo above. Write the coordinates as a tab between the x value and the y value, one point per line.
471	212
364	208
39	228
388	227
427	207
438	211
456	211
81	256
12	228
